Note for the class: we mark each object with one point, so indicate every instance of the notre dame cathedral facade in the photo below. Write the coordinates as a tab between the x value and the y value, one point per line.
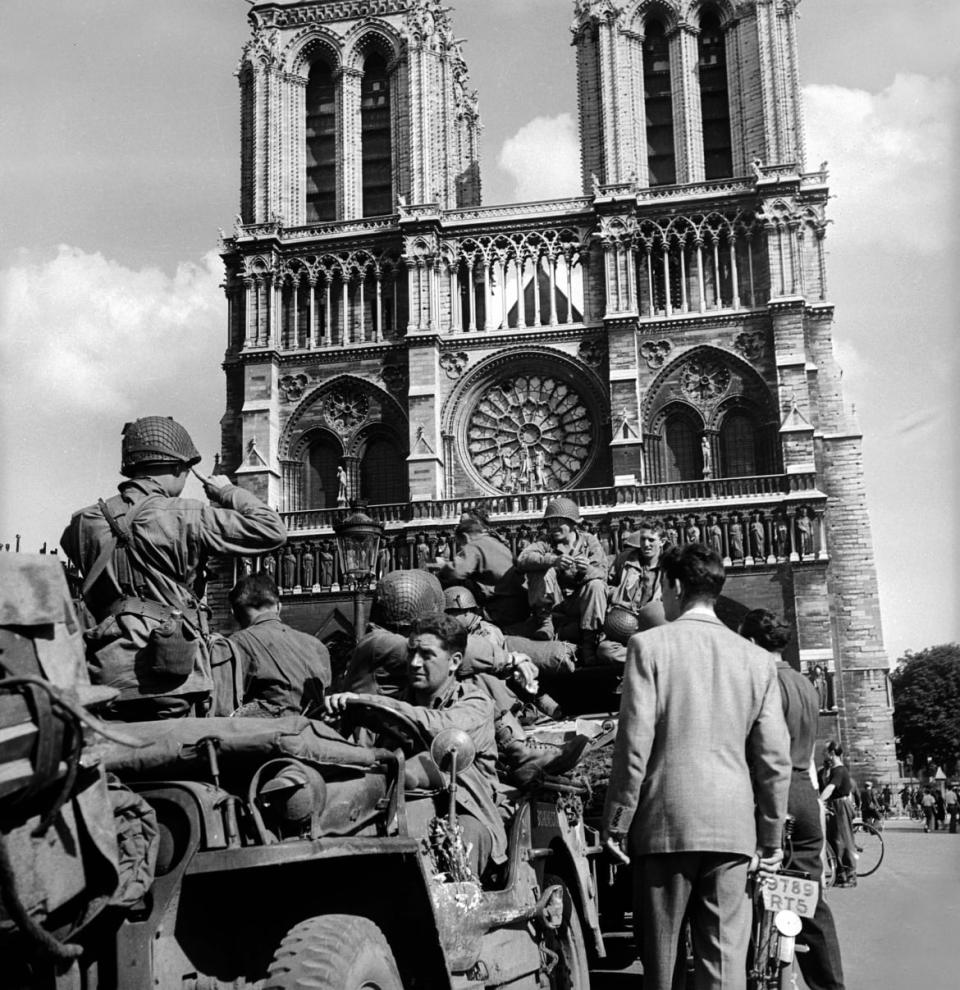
659	346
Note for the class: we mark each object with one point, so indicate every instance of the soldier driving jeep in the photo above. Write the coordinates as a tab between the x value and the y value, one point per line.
435	700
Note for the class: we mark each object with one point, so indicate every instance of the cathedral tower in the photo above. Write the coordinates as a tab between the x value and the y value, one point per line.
658	347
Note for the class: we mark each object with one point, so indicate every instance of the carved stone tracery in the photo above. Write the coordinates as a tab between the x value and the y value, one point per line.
703	378
530	432
344	409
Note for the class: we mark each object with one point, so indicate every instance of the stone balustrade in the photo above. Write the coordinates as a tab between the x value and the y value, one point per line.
769	524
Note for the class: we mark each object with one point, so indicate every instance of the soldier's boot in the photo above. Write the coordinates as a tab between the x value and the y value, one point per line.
545	630
527	761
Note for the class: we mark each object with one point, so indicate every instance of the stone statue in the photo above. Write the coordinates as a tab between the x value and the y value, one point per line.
383	560
805	530
781	537
326	565
670	534
269	566
715	536
306	567
758	539
423	553
289	564
692	532
538	468
341	486
736	539
707	457
819	680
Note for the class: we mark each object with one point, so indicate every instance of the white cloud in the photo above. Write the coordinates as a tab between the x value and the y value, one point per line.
890	157
85	345
543	158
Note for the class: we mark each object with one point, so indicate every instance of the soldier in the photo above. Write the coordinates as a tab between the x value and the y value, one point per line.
566	578
378	665
634	590
142	554
283	671
485	563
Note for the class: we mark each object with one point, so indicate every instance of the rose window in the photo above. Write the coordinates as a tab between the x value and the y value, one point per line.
530	433
704	379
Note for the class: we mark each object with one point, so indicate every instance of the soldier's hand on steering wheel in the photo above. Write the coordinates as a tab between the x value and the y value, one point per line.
336	703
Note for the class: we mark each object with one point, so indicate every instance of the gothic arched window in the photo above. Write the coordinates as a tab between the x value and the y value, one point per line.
683	458
376	150
738	446
658	103
321	486
321	136
714	99
383	472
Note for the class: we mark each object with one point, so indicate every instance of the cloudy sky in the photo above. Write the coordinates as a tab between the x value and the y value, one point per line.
120	160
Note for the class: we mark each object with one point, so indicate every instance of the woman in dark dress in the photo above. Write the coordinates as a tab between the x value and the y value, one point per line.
836	796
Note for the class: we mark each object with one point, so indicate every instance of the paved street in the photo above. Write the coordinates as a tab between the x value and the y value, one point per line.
899	928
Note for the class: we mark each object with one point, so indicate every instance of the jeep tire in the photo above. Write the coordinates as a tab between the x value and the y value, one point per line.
572	971
334	952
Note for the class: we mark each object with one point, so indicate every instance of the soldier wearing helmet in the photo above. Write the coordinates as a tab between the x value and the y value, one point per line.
378	664
142	555
566	579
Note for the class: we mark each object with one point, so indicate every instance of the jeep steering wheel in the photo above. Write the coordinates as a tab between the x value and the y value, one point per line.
399	731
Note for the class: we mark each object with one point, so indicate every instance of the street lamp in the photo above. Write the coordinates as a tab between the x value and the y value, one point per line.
358	543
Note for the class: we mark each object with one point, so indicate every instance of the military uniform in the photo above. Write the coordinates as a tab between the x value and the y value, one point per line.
283	671
133	593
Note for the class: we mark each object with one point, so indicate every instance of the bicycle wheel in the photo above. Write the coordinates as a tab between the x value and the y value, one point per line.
869	845
830	869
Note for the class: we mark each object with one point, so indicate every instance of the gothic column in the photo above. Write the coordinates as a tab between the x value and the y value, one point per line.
249	312
327	311
349	143
378	275
701	282
472	294
687	113
552	262
521	295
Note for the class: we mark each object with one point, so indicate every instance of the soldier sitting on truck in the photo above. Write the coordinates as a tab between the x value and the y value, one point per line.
435	700
282	671
141	554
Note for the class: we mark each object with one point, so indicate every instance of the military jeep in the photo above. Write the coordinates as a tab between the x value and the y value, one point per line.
285	856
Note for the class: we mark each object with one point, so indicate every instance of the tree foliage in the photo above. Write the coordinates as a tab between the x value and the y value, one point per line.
926	705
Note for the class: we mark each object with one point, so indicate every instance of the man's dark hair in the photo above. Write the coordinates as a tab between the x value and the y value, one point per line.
766	630
697	567
654	525
445	627
255	591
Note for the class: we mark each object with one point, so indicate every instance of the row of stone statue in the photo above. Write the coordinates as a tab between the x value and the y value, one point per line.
757	538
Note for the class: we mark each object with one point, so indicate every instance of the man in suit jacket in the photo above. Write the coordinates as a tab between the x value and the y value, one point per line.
700	776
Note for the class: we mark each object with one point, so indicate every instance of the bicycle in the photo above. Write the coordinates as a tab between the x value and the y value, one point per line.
868	845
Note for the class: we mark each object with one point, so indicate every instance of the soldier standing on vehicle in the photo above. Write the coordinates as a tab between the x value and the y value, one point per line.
700	774
142	554
282	670
821	965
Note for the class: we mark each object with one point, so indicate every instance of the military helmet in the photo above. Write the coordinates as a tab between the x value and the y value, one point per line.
155	440
403	596
459	597
563	508
620	624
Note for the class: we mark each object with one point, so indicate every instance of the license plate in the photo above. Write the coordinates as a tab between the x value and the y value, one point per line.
785	893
